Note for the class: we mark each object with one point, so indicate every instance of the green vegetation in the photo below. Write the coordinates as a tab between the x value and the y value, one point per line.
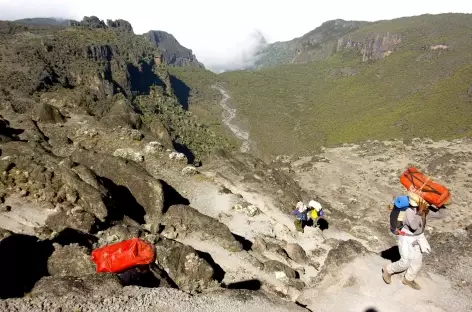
203	99
88	69
416	91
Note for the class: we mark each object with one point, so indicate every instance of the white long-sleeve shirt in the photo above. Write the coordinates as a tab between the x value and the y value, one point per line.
413	222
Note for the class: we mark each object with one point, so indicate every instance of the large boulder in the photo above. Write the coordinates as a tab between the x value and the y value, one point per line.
57	286
342	253
122	114
117	234
296	253
147	191
74	219
44	112
185	267
71	260
76	191
187	220
160	131
274	266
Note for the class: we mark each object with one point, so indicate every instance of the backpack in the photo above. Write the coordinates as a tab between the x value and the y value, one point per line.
398	213
121	256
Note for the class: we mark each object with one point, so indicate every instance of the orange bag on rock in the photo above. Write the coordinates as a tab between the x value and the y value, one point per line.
433	192
118	257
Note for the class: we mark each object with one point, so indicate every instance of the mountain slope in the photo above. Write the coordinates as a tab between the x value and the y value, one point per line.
106	71
409	77
44	21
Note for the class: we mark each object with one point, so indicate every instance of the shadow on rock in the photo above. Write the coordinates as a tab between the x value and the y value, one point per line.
24	262
392	254
142	77
172	197
253	284
123	203
247	244
181	91
73	236
181	148
371	310
219	273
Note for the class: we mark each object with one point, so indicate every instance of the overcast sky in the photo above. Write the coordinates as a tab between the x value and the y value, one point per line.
221	32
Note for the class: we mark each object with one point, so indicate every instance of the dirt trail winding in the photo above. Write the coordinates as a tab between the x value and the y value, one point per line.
228	116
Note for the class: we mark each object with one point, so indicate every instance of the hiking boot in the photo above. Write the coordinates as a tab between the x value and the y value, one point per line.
387	277
412	284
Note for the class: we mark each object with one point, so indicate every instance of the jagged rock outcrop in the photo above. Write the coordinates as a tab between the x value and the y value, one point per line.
146	190
70	260
181	220
274	266
173	52
342	253
120	25
371	48
47	113
89	22
122	114
185	267
296	253
98	52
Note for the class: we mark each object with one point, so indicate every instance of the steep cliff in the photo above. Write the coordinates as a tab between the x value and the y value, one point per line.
172	51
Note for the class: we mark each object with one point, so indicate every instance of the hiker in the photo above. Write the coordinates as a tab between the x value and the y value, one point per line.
301	212
411	240
316	212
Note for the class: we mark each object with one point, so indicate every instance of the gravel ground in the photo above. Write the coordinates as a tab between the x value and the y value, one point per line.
137	299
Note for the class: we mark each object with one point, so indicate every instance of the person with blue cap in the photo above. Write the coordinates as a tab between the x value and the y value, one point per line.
407	222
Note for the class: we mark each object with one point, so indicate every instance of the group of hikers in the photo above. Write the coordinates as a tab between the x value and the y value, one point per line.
407	222
308	215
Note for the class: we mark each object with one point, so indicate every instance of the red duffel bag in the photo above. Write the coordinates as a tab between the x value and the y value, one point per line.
433	192
118	257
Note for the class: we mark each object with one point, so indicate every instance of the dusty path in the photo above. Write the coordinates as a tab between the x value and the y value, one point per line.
228	116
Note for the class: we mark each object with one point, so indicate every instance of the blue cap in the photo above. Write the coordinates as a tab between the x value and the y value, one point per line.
401	201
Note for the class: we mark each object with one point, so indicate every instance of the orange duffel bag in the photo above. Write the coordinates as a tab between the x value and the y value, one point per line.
121	256
433	192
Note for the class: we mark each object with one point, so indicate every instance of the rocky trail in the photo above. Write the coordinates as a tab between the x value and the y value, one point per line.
84	165
228	116
229	218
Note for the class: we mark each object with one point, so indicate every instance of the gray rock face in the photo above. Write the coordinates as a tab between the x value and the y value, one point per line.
78	191
57	286
274	266
122	114
47	113
146	190
71	260
187	220
161	133
343	253
120	25
296	253
174	53
190	272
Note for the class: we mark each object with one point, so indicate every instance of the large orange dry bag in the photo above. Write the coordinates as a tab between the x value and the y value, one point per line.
433	192
123	255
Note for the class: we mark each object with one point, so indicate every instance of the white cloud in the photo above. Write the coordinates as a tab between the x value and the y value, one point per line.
220	32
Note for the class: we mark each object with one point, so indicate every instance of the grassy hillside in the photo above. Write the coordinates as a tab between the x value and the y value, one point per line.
415	91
